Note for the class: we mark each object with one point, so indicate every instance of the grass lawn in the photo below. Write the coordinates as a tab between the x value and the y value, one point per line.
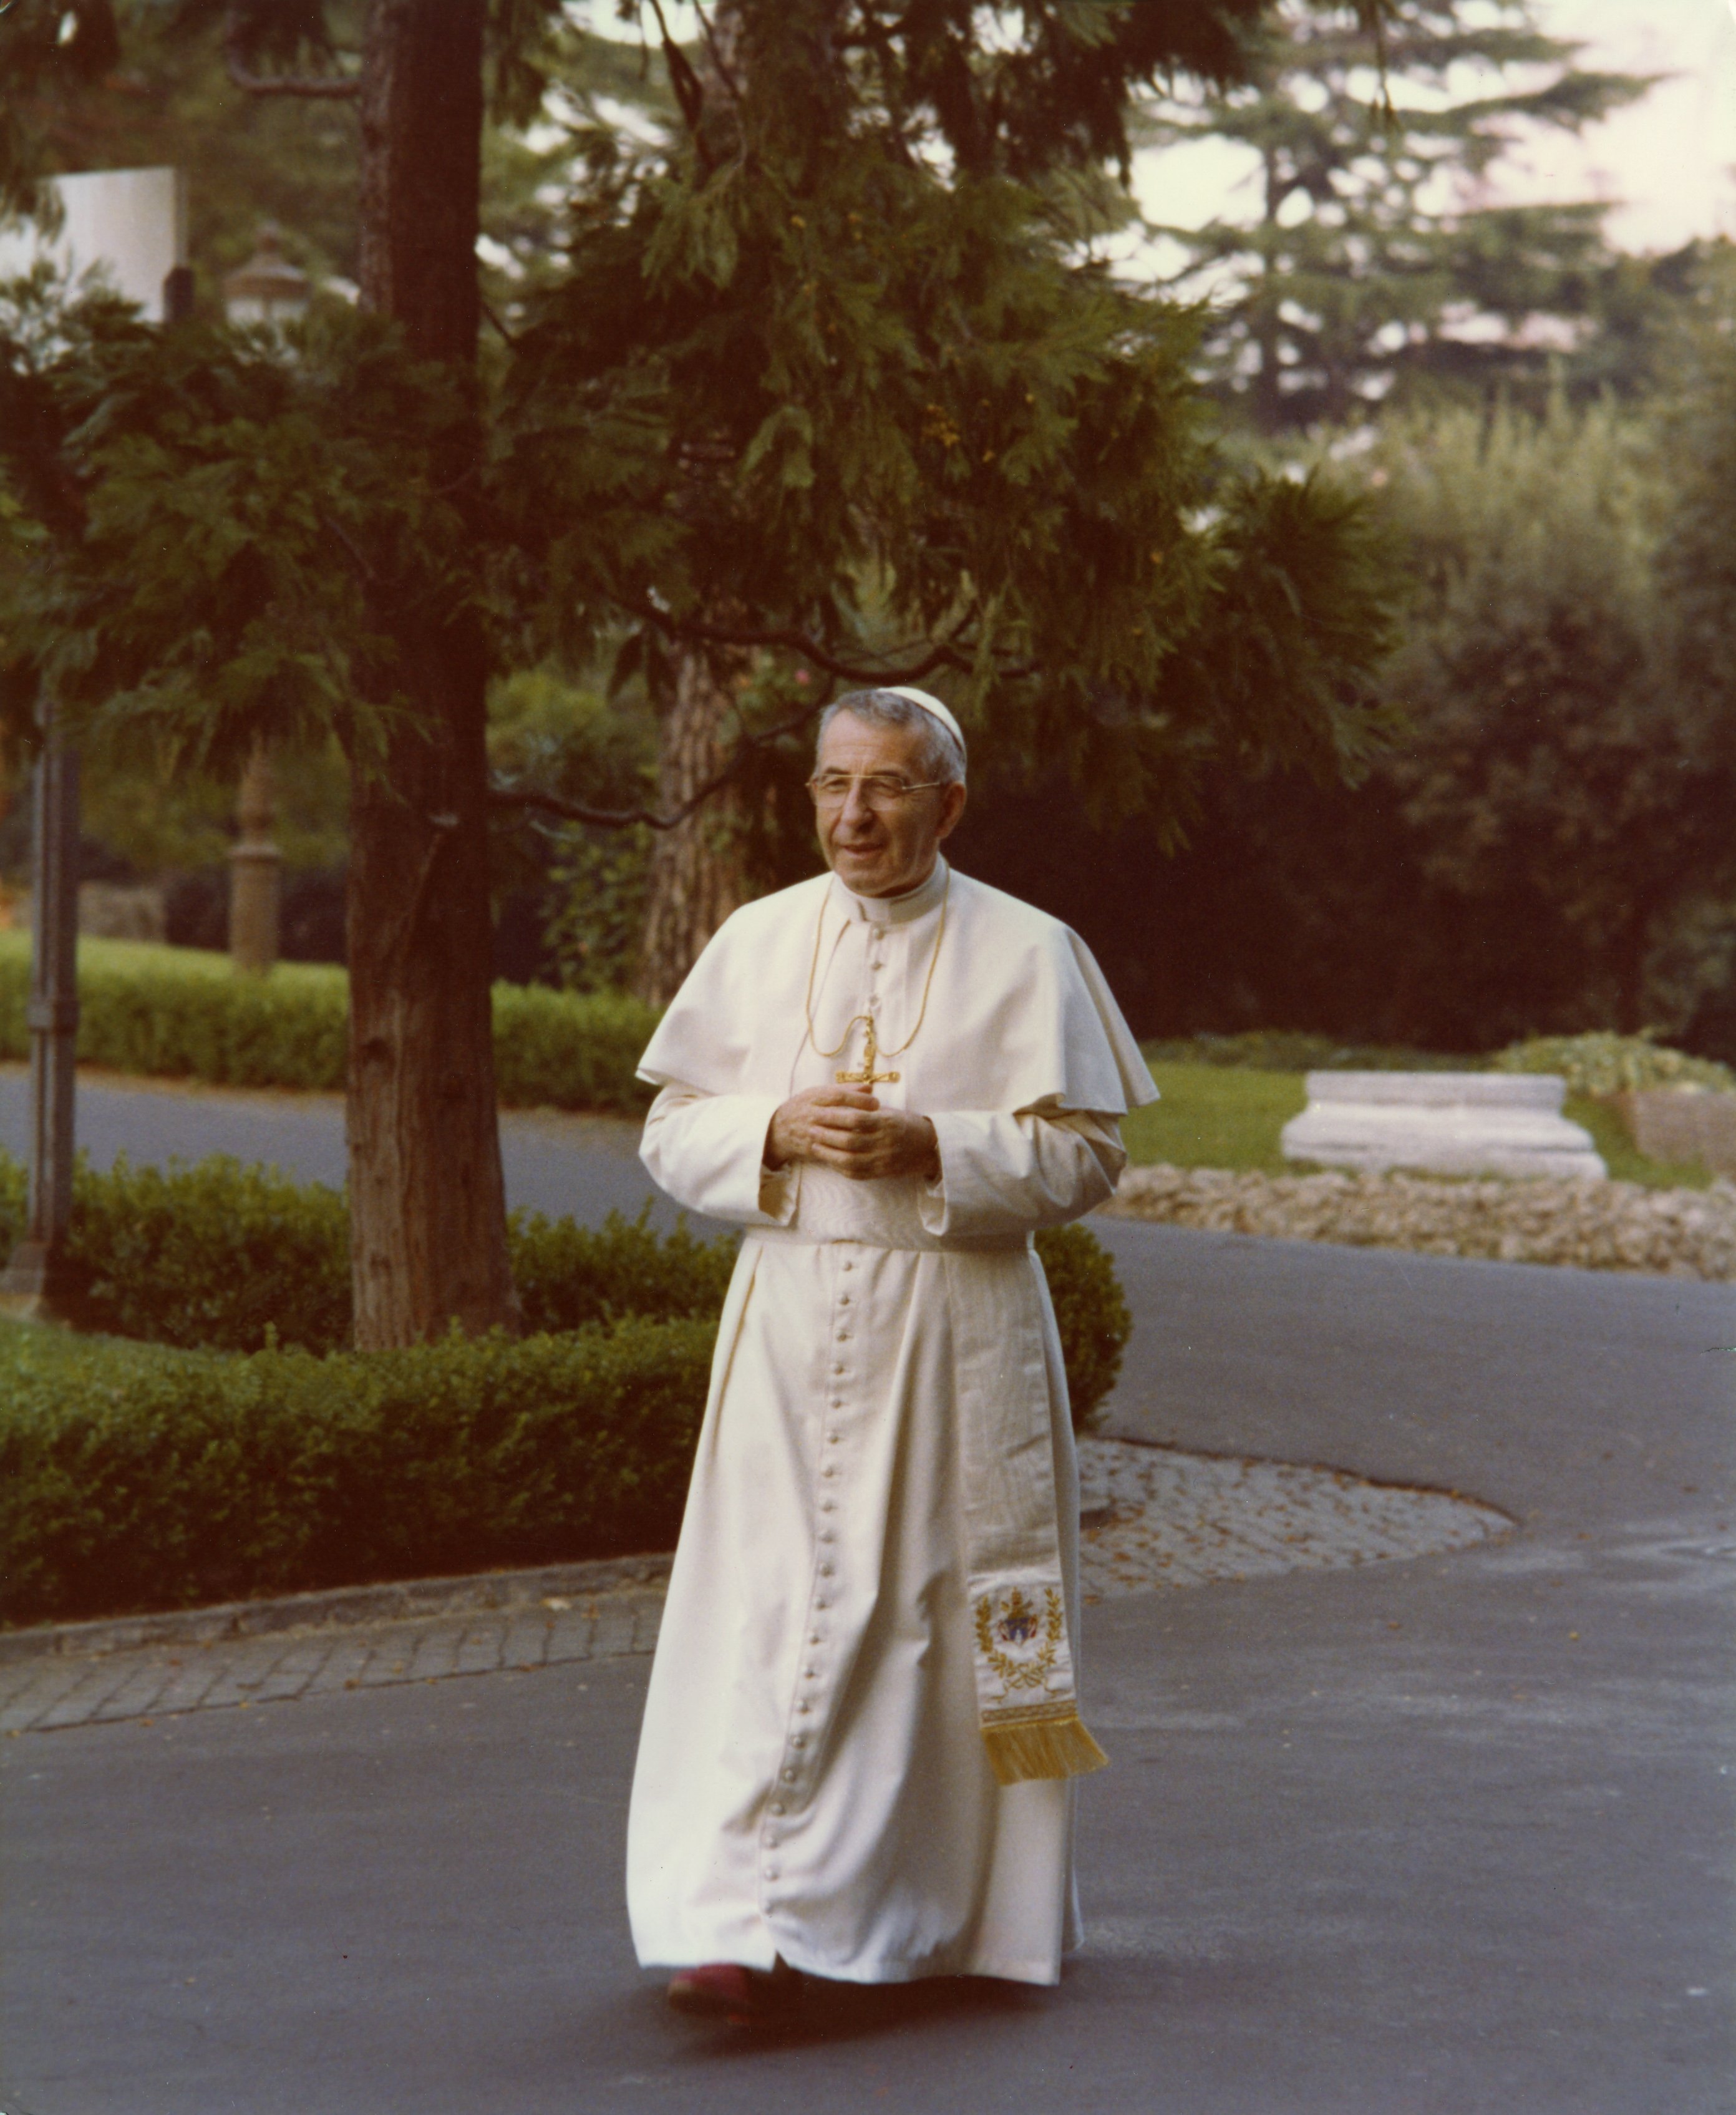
1214	1116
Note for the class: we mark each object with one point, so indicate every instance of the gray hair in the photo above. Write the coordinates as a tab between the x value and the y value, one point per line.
941	756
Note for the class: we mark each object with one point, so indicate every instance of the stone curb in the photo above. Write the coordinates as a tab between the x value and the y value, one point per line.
341	1605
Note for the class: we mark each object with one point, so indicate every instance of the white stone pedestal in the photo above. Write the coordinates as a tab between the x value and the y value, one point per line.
1447	1123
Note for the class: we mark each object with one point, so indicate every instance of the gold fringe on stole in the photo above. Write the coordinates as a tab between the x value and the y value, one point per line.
1042	1747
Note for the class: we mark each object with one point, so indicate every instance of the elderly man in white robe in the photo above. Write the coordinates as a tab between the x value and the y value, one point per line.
858	1751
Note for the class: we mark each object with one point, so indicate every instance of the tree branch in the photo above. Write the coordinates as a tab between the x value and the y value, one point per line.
358	556
945	655
487	310
690	94
713	46
618	818
331	87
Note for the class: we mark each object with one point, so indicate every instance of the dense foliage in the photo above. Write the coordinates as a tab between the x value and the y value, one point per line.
1606	1065
1545	849
797	382
1090	1313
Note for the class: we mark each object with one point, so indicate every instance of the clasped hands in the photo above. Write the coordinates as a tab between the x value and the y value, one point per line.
843	1128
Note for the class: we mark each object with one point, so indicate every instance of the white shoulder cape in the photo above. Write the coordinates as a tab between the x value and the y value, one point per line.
1020	1016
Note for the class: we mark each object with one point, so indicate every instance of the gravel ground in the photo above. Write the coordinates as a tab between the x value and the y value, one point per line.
1584	1223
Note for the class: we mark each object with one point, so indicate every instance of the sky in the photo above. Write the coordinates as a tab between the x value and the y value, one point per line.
1671	159
1666	164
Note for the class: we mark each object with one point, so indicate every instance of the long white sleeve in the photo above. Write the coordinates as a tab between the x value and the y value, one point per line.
708	1152
1012	1174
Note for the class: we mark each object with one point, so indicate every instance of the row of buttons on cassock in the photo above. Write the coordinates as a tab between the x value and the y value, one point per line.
807	1699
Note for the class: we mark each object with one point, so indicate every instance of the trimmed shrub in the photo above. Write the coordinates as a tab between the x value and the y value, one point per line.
1603	1064
135	1476
570	1050
570	1276
220	1256
183	1013
138	1479
212	1257
1090	1313
226	1457
217	1256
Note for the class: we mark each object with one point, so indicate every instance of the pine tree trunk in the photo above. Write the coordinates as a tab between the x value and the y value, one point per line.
699	870
1268	335
427	1200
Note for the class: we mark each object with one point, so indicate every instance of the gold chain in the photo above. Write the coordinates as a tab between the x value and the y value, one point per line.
850	1029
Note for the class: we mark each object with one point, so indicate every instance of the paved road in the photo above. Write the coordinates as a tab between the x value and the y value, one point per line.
587	1166
1444	1837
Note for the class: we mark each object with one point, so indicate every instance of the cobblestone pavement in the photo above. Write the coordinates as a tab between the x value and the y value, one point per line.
1157	1517
1152	1517
155	1681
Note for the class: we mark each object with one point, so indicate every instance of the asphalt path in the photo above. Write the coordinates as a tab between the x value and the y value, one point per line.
1444	1837
557	1163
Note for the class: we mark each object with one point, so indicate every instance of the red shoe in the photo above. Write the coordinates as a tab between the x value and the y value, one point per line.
721	1990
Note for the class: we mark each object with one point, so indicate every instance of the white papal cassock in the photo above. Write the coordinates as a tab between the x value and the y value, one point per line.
811	1779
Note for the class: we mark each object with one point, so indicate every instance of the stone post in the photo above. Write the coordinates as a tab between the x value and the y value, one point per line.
38	1283
255	861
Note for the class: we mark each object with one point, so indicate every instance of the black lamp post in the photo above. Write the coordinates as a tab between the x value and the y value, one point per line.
38	1283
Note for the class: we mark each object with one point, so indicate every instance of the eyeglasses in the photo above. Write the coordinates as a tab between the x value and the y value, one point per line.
832	789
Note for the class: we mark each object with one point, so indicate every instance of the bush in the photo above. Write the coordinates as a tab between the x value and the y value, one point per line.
570	1050
1604	1064
1091	1312
200	1467
183	1013
212	1256
136	1476
569	1276
223	1257
135	1479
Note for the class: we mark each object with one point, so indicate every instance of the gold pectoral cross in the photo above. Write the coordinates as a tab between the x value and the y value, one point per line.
868	1076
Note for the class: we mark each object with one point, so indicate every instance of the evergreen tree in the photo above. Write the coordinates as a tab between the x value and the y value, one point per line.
822	381
1367	270
1547	846
867	408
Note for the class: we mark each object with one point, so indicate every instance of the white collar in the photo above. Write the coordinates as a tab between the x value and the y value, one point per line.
897	910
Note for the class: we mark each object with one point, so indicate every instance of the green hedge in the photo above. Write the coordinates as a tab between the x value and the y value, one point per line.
156	1474
134	1477
220	1256
183	1013
1603	1064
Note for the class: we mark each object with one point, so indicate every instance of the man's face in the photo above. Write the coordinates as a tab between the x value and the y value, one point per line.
881	847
